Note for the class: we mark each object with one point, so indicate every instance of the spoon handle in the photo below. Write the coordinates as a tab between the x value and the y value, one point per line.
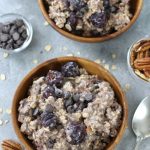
138	141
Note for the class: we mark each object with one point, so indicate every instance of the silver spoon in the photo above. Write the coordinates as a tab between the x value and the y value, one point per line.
141	121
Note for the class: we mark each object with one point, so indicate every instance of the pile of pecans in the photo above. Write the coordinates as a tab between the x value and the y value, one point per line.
12	34
140	59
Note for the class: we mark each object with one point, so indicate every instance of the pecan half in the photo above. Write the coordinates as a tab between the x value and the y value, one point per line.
10	145
140	59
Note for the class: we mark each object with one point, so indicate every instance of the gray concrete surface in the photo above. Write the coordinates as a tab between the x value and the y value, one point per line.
15	67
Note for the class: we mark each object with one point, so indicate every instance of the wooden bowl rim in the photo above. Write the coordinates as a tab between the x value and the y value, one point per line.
61	59
90	39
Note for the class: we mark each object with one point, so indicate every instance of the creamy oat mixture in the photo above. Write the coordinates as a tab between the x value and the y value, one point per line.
90	17
70	110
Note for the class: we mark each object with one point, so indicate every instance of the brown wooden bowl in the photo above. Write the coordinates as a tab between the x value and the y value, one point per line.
136	6
43	68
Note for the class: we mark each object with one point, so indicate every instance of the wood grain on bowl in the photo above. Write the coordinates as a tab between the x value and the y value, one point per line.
43	68
135	8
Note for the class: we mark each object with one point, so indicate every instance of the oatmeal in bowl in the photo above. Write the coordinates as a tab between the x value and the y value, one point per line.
69	108
91	20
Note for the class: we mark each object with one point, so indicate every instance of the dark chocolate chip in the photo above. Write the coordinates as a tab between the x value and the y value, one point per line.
70	109
19	22
76	97
58	93
75	106
68	102
1	27
21	29
6	28
3	45
24	34
20	42
4	37
49	108
10	41
13	30
67	95
16	36
81	106
15	46
88	97
9	46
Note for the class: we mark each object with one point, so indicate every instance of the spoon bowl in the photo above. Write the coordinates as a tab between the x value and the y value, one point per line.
141	121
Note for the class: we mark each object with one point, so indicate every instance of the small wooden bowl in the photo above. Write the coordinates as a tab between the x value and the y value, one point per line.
43	68
136	6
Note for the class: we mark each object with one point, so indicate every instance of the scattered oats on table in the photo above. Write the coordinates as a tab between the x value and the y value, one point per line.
78	53
6	121
1	122
8	111
106	66
48	47
46	23
5	55
98	61
114	56
114	67
35	61
2	77
127	87
1	110
70	55
65	48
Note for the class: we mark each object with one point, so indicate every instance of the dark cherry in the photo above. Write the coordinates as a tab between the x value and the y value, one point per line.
54	78
70	69
48	91
77	5
99	19
72	20
49	119
50	143
76	132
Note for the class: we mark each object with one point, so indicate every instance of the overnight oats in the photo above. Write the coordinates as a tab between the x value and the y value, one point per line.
90	18
70	109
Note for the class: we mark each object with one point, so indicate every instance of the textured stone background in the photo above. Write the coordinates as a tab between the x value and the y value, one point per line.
15	67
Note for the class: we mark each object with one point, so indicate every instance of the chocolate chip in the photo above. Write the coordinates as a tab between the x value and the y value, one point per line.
15	46
21	29
6	28
19	22
16	36
68	102
9	46
70	109
1	27
49	108
75	106
10	41
67	95
20	42
76	97
88	97
3	45
4	37
13	30
81	106
58	93
24	34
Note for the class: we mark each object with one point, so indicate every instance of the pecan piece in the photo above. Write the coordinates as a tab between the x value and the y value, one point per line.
10	145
